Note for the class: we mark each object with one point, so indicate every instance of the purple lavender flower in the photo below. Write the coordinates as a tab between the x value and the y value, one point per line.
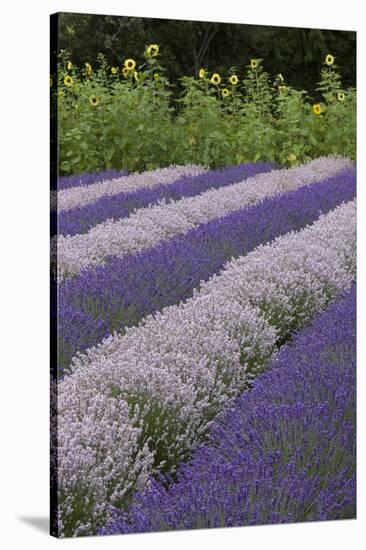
282	452
87	178
128	289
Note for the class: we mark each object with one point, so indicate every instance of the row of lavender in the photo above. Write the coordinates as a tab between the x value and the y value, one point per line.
88	178
121	294
284	452
139	402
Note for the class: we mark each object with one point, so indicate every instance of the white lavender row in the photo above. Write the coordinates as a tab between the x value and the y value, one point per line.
139	402
148	226
82	195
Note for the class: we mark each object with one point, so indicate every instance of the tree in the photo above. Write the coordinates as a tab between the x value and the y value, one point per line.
187	45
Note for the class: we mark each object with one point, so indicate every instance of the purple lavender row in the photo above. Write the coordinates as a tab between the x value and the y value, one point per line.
120	294
284	452
81	218
87	178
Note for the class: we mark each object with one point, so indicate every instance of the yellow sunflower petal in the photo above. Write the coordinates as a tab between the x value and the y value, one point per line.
152	50
215	79
94	101
130	64
68	81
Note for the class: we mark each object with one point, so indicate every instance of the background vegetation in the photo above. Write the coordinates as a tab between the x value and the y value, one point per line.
278	94
297	53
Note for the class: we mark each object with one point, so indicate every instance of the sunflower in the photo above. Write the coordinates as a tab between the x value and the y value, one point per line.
69	66
88	68
329	60
68	81
234	79
341	96
317	109
156	76
225	92
215	79
152	50
253	64
94	101
114	70
202	73
130	64
125	72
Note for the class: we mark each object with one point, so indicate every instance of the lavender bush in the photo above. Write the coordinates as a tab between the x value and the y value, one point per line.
113	297
81	218
284	452
147	226
140	402
88	178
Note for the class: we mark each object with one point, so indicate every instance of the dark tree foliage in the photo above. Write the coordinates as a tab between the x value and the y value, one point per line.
185	46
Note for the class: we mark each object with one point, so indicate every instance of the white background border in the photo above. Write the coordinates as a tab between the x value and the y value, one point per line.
24	184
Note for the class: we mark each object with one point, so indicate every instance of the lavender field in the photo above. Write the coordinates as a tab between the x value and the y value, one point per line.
206	351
